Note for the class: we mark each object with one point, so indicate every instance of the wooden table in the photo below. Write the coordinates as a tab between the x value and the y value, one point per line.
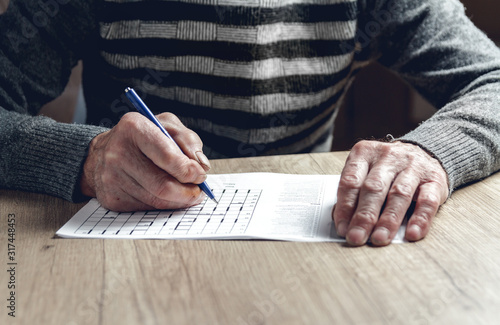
450	277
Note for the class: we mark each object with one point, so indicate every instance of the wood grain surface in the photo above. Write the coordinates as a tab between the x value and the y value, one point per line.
450	277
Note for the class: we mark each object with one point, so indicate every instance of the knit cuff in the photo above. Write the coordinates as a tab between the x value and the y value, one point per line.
459	154
49	157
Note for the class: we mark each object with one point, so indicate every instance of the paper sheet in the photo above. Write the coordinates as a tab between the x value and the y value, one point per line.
251	206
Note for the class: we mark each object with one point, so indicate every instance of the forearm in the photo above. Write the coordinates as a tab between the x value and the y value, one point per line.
457	68
36	153
41	155
465	135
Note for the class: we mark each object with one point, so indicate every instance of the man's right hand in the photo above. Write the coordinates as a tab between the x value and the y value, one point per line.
134	166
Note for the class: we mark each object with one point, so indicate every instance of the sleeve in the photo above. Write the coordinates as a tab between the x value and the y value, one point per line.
433	46
40	41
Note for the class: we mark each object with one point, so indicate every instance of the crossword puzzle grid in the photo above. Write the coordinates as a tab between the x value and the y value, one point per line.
231	216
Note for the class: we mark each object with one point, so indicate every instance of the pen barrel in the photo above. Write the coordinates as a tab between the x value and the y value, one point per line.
204	187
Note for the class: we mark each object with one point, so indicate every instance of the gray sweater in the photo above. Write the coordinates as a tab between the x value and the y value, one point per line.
250	77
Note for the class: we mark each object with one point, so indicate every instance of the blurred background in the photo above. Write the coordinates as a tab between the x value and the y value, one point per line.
378	102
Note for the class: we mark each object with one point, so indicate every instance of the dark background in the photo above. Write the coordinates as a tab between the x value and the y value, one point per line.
379	103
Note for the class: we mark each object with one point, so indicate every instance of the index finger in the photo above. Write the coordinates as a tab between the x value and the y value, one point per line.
189	142
351	180
163	152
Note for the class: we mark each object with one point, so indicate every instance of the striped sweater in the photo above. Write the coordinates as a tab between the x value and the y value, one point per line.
251	77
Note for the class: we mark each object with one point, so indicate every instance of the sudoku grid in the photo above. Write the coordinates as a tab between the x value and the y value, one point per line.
231	216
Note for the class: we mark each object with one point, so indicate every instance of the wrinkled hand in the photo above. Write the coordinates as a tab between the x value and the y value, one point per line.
390	176
134	166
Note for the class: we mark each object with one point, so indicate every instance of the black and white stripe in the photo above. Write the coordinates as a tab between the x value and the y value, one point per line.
260	74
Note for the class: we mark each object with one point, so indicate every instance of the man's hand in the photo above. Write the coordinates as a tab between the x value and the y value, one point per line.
377	186
134	166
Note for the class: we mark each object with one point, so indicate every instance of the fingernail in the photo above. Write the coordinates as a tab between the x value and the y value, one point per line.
342	228
381	236
356	236
416	232
203	160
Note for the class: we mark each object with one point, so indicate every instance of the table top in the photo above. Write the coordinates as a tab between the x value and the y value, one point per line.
452	276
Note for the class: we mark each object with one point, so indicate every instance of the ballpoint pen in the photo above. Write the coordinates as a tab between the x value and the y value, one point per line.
144	110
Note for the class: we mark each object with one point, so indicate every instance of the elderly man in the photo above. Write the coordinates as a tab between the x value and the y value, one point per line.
249	78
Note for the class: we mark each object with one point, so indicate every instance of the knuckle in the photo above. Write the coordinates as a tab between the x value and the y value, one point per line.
392	217
350	181
347	206
440	178
422	219
366	217
388	149
362	147
130	125
129	120
364	144
193	137
344	212
185	171
108	179
373	185
401	190
430	200
170	118
112	157
433	174
397	155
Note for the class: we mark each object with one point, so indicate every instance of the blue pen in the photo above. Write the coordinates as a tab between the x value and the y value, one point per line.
144	110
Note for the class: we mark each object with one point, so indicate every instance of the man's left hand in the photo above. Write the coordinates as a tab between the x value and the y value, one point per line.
377	186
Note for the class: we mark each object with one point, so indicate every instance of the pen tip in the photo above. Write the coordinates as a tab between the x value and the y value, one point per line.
216	202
